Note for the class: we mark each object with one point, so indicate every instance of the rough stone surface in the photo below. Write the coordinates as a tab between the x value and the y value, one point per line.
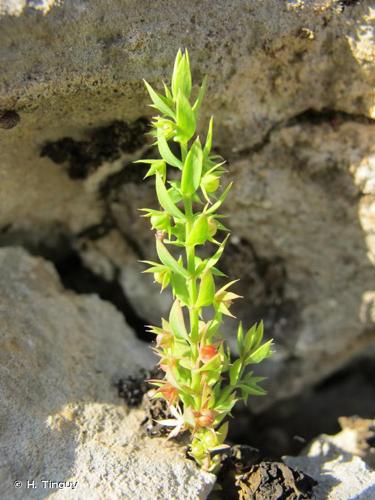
291	87
61	419
358	437
339	473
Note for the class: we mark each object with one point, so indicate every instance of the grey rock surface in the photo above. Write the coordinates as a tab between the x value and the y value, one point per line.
340	474
291	86
61	418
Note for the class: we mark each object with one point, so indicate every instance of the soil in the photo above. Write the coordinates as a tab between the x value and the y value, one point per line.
135	392
132	389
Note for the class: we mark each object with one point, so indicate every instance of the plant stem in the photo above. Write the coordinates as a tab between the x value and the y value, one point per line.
192	285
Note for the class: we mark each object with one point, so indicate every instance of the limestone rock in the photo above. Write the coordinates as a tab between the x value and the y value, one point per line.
291	86
339	473
60	415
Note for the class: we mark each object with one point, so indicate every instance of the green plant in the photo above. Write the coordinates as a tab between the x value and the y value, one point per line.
202	383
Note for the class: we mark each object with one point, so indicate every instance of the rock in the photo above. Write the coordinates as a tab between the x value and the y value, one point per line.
311	277
273	480
357	437
291	86
60	414
339	473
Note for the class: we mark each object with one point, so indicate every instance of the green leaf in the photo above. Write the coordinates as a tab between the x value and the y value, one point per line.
208	143
177	322
199	232
160	102
259	335
212	365
165	200
187	400
216	256
181	78
192	170
182	376
220	201
264	351
168	260
180	289
157	166
240	337
222	433
227	404
249	339
213	376
251	389
216	272
200	97
254	337
234	371
155	269
185	119
186	362
206	292
168	95
181	348
214	325
166	153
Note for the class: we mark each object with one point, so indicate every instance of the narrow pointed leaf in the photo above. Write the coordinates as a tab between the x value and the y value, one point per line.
216	256
165	200
159	101
234	371
240	338
185	119
166	153
199	232
177	322
208	143
192	170
181	78
200	97
180	288
264	351
168	260
206	292
220	201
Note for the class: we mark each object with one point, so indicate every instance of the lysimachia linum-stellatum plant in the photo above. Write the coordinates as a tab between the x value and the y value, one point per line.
202	382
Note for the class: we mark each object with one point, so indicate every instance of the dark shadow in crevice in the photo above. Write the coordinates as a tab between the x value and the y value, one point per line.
333	117
73	272
76	276
81	158
288	426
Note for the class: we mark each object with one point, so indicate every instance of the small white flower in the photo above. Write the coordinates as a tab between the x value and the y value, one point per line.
178	422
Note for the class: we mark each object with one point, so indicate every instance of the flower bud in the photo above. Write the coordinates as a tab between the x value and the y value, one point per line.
160	221
207	352
212	226
169	392
210	182
164	339
163	278
167	127
204	417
